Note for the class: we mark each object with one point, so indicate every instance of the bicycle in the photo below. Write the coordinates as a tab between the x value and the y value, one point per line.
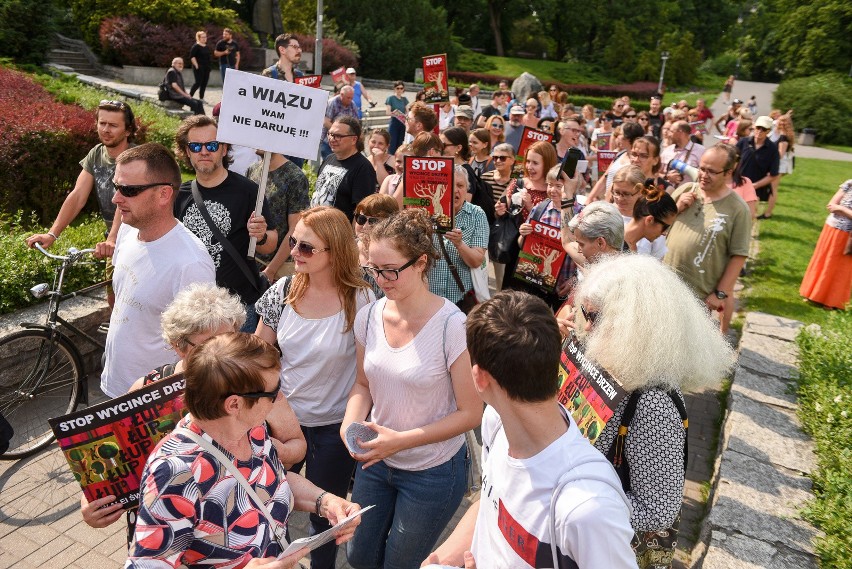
41	370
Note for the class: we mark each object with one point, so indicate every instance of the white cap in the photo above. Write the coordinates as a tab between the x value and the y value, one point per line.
350	71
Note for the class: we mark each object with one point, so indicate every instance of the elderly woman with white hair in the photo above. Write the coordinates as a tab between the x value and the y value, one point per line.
595	232
644	326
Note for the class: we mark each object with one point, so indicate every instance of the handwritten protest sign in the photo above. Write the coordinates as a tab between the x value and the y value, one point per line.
588	392
309	80
541	258
106	445
428	184
435	79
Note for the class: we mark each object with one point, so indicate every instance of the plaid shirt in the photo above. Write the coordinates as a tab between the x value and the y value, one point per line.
474	225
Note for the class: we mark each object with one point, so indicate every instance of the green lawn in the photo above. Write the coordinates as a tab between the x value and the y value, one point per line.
787	240
547	70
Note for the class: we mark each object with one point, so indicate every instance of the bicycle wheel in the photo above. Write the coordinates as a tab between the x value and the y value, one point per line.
40	378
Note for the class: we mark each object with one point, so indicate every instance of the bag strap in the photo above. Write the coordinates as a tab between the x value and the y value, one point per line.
277	530
450	264
227	245
681	409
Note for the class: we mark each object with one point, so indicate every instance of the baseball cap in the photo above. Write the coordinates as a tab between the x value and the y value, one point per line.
350	71
738	102
464	111
763	122
517	110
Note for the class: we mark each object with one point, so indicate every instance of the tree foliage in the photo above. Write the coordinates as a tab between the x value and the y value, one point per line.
25	30
822	102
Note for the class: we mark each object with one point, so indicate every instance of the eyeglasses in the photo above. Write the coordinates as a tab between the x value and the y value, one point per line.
399	88
556	185
271	395
589	315
664	224
763	128
623	195
571	129
295	46
335	136
710	172
107	103
643	119
605	119
362	219
305	249
500	158
497	125
445	145
387	274
195	147
640	156
630	116
131	191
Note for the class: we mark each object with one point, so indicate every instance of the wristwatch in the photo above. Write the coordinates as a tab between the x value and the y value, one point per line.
264	240
721	295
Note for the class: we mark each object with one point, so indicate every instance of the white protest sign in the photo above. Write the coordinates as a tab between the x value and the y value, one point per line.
271	115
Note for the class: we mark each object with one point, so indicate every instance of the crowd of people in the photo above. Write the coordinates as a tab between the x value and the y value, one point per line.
361	314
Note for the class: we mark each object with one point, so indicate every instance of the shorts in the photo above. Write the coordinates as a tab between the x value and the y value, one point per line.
764	193
109	269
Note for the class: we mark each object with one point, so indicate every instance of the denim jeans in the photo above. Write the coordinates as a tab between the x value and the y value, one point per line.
412	509
223	68
251	320
329	466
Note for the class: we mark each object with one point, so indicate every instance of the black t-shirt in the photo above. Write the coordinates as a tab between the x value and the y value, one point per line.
231	58
230	205
172	76
201	53
656	123
344	183
758	162
489	111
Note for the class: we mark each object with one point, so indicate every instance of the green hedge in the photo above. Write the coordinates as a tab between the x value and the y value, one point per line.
822	102
21	268
825	397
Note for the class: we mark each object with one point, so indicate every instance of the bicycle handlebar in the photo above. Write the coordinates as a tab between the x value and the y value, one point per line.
73	253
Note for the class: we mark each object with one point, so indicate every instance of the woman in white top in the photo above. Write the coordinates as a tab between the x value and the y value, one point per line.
310	316
414	386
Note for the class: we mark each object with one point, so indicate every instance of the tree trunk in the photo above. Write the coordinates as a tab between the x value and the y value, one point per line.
494	21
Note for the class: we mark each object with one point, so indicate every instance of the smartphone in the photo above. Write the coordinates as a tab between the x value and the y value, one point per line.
569	163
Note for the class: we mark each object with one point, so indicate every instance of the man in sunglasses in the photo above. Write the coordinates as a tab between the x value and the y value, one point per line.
155	258
345	176
761	161
228	200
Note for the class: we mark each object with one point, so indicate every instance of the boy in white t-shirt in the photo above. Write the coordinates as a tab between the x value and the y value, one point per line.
534	458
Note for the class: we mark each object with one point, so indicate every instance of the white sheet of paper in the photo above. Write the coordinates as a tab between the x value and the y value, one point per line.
320	539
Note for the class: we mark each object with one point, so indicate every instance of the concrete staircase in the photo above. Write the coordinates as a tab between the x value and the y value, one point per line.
76	56
73	59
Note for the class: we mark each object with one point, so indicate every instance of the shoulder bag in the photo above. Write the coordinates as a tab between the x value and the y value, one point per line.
468	300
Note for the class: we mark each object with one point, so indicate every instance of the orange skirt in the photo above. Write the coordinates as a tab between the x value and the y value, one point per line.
828	279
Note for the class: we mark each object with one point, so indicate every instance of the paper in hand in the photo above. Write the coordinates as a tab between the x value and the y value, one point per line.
359	431
314	541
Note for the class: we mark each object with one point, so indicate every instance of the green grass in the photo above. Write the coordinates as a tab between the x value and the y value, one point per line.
787	241
545	70
825	408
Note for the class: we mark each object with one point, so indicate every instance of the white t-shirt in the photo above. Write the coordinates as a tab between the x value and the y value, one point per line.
656	248
513	528
411	386
317	357
147	277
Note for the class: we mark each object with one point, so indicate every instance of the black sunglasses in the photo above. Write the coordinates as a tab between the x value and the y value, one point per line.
387	274
107	103
499	158
362	219
588	314
305	249
664	224
630	116
195	147
131	191
271	395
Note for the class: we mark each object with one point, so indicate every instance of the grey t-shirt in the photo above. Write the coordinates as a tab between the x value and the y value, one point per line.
101	166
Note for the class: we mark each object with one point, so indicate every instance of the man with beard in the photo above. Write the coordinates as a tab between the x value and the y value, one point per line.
116	129
655	116
229	200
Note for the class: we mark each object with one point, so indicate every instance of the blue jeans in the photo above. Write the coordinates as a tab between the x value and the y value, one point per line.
251	320
412	509
223	67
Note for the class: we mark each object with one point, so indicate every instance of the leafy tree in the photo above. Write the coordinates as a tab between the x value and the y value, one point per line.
25	30
815	36
618	53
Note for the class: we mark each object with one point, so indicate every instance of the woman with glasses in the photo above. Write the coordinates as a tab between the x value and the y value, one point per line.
396	106
502	185
193	509
645	154
530	117
310	316
369	212
631	303
644	120
496	126
414	386
653	214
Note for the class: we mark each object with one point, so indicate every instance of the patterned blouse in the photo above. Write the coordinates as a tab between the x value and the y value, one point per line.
654	452
842	222
193	512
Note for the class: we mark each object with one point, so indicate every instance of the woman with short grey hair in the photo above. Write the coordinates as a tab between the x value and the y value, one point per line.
597	231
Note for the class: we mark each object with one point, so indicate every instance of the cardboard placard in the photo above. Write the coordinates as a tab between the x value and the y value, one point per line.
435	79
602	141
541	257
338	75
605	158
587	391
271	115
309	81
698	127
528	137
428	184
107	445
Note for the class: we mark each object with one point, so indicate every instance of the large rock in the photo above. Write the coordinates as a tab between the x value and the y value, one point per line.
525	85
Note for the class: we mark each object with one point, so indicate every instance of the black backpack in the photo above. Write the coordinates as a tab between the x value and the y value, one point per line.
6	434
163	92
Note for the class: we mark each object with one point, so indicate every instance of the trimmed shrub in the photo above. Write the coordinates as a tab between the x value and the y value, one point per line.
334	55
130	40
822	102
40	148
638	90
25	30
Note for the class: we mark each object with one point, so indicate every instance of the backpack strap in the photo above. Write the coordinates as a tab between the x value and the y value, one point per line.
616	451
681	409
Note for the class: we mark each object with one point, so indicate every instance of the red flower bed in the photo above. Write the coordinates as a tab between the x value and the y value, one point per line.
638	90
41	144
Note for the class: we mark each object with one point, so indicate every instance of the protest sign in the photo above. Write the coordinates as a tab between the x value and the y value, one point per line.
528	137
106	445
309	80
605	158
602	141
338	75
587	391
428	184
541	257
435	79
698	127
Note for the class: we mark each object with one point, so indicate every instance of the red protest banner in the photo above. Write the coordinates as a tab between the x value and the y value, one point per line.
542	256
435	79
603	139
605	158
309	80
338	75
698	127
530	136
428	184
